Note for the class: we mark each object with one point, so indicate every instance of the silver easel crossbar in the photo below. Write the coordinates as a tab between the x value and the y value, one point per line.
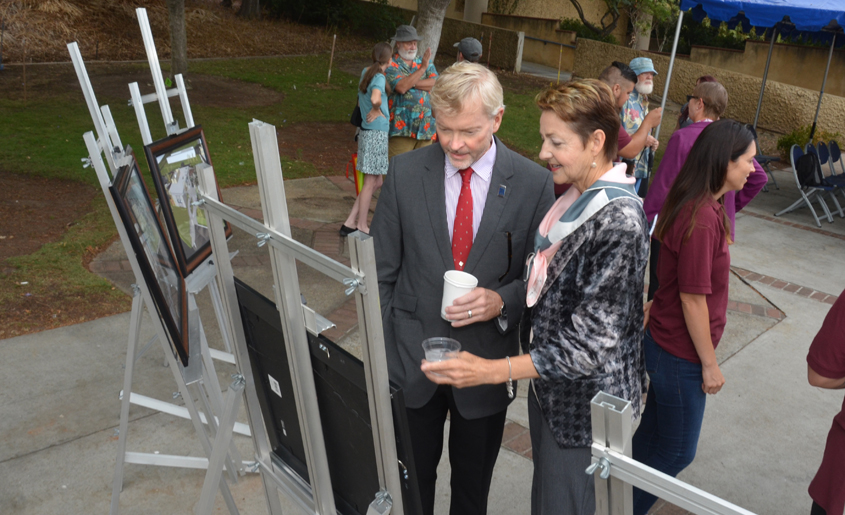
316	497
616	472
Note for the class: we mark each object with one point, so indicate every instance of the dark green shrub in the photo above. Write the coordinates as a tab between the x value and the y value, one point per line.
703	33
801	136
376	18
582	31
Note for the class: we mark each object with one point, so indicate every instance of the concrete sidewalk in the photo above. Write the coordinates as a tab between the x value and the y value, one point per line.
761	443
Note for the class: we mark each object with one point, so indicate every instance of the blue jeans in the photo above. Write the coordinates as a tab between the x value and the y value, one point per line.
667	437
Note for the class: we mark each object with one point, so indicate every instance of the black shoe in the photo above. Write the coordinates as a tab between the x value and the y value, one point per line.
346	231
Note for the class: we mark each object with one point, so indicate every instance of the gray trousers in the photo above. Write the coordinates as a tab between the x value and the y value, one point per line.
560	486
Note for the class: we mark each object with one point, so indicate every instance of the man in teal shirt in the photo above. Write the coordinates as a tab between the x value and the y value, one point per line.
410	79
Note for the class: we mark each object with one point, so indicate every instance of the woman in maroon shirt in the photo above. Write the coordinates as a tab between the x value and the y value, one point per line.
687	316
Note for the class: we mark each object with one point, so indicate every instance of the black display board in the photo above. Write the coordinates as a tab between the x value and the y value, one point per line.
344	409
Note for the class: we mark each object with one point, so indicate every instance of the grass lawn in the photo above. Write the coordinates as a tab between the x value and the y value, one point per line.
42	137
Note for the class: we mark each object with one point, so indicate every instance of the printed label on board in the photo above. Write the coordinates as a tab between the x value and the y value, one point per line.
274	385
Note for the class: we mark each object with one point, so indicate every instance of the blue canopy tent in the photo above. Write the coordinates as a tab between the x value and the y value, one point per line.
825	18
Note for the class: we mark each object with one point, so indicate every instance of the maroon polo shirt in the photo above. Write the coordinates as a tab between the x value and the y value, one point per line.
624	139
827	358
698	265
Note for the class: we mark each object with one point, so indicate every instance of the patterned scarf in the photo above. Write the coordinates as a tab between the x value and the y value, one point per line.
567	214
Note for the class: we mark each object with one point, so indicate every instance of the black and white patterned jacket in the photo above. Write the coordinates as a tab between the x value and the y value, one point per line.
588	324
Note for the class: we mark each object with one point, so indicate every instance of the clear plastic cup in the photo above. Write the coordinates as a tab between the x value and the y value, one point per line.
440	349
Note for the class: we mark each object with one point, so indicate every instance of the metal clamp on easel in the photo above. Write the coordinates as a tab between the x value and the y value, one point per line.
382	504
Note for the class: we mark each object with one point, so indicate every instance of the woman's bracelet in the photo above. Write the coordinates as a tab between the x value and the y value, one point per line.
509	384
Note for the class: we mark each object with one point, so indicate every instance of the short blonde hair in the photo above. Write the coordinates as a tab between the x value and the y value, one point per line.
465	81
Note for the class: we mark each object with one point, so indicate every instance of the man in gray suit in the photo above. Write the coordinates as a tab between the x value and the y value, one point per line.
468	203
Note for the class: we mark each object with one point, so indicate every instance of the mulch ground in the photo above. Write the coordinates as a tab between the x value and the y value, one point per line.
329	146
35	211
38	31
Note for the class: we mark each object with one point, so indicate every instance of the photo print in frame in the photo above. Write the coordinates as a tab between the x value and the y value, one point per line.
158	265
173	163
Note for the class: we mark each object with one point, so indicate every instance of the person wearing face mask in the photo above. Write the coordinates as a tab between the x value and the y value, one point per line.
707	104
410	79
634	114
585	289
471	204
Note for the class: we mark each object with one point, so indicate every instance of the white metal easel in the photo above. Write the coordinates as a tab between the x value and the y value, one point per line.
200	370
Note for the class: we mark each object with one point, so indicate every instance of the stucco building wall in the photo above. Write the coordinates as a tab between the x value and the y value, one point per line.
785	107
558	9
791	64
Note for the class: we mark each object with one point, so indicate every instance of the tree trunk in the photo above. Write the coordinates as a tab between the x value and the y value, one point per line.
642	31
178	38
429	24
250	9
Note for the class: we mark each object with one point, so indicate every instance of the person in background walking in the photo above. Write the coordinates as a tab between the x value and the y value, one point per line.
410	79
826	369
687	317
372	140
469	49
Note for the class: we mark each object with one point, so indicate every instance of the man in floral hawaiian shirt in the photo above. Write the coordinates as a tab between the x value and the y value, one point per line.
410	79
633	113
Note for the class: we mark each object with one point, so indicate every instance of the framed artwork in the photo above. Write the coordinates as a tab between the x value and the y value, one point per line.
341	388
173	163
158	265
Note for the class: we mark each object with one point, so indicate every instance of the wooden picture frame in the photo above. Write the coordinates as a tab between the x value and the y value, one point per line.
173	162
155	257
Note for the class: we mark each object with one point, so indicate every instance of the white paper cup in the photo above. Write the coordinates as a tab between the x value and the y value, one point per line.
455	284
440	349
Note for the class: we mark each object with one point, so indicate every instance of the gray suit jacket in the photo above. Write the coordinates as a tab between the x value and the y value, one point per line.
413	251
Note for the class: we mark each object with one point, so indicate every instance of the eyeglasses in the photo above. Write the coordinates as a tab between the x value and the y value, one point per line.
690	97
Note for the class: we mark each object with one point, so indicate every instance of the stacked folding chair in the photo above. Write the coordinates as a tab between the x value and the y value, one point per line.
834	183
806	170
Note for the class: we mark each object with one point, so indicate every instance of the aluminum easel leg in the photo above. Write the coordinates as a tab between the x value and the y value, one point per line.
220	450
216	399
214	291
134	334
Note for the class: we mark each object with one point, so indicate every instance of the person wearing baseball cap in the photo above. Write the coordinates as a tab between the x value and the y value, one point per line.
410	79
469	49
634	112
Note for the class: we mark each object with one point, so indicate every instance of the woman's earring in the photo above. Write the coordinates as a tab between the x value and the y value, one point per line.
593	165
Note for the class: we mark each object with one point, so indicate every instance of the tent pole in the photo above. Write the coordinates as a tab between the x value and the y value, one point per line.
765	75
824	82
671	65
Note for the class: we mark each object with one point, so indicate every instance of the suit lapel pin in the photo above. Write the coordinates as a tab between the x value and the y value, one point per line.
502	190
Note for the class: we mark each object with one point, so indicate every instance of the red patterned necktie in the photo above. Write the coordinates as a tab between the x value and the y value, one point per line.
462	231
